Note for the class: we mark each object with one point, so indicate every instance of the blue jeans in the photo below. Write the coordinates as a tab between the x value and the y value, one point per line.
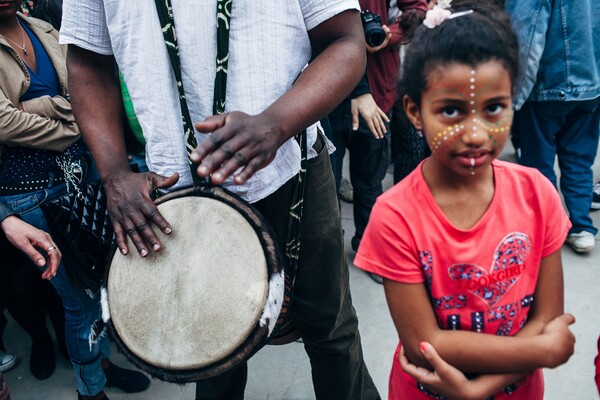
568	131
82	308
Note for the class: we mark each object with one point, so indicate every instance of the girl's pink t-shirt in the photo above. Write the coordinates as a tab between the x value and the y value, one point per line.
482	279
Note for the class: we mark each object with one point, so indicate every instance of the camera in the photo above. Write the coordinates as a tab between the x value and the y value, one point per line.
374	33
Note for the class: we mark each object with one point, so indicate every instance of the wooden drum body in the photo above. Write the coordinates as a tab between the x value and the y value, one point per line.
209	300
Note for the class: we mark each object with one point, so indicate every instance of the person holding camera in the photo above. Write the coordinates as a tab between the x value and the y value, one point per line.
361	121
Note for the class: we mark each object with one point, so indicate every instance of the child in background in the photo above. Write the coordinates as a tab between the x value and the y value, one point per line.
469	246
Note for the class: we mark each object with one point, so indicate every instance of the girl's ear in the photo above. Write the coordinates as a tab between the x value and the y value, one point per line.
412	112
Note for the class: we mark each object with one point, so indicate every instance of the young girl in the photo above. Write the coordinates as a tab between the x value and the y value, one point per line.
469	246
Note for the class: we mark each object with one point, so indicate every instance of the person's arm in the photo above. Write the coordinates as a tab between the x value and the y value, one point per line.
239	140
23	127
450	381
96	99
56	107
540	344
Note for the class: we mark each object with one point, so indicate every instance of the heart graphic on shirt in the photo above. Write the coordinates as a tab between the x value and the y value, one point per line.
505	271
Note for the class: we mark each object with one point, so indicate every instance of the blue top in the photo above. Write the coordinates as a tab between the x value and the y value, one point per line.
20	162
44	82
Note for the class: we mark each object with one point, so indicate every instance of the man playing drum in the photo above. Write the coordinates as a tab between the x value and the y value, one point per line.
248	149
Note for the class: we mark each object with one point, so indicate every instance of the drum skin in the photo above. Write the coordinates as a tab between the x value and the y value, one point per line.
209	299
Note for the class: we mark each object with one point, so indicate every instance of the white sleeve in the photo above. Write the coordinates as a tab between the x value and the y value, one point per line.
318	11
84	25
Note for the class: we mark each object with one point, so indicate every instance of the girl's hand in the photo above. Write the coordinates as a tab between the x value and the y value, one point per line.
559	340
31	240
444	379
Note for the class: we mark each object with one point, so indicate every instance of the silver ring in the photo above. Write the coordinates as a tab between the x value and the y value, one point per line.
51	248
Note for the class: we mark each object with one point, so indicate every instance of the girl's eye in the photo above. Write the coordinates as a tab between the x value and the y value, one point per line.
450	112
494	109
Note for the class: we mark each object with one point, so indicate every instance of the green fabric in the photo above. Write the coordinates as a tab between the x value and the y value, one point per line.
134	124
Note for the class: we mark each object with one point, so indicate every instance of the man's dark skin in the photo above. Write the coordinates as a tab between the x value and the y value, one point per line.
237	140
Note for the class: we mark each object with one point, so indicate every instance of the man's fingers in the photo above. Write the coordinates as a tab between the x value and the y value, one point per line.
209	125
132	230
121	239
250	169
234	152
162	182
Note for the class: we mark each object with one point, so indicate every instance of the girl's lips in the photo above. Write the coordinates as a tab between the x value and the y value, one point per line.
472	160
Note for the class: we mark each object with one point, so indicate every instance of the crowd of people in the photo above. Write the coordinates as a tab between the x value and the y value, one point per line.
476	297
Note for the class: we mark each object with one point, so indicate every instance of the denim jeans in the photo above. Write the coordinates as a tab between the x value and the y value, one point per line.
82	308
568	131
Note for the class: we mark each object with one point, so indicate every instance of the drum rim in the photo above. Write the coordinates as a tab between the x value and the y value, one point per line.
259	335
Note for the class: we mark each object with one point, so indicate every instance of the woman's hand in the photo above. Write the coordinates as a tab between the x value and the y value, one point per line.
33	241
365	106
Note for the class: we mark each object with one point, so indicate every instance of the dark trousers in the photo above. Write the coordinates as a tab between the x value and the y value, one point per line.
29	298
567	131
322	308
368	162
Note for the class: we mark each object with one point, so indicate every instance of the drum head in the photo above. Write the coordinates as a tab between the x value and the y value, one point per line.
199	299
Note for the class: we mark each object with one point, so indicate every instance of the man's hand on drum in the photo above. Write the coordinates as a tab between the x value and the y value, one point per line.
33	241
132	211
237	141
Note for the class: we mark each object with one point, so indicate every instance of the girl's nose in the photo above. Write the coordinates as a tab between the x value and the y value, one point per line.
475	133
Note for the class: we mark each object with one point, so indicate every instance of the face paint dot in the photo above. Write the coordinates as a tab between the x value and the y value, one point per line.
474	128
472	87
473	111
474	119
472	94
472	72
472	80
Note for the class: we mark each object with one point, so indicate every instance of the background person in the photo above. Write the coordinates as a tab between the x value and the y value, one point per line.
41	142
558	101
263	111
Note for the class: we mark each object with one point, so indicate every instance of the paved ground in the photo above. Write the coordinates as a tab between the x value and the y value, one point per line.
283	372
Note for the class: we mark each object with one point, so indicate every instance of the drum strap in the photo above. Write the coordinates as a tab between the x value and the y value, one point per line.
165	14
